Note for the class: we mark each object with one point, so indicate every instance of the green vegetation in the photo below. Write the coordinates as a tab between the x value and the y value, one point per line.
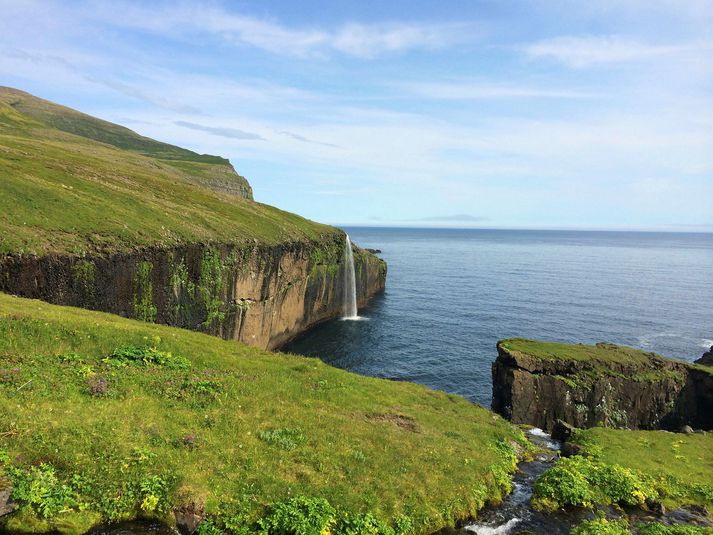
604	353
630	468
144	309
72	183
602	526
594	361
108	419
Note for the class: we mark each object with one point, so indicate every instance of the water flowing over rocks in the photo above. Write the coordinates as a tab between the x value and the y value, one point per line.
650	392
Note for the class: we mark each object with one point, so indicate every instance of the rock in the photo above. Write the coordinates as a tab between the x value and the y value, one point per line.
707	358
687	429
188	518
562	431
539	383
279	290
570	449
656	507
6	504
373	251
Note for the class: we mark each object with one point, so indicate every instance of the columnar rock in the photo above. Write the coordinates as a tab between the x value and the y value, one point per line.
263	295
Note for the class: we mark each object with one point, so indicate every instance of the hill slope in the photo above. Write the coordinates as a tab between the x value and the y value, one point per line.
224	427
94	215
75	183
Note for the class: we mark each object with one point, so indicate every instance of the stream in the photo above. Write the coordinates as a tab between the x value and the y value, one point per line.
514	515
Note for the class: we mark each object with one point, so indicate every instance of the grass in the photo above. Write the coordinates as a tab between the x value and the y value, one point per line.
630	468
595	361
602	526
601	353
108	418
62	191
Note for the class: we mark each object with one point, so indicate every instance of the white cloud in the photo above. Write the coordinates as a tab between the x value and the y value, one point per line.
353	39
584	51
473	90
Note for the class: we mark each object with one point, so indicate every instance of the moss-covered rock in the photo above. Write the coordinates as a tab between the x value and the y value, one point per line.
538	383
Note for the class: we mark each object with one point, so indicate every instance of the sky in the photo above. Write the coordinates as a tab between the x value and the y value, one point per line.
504	114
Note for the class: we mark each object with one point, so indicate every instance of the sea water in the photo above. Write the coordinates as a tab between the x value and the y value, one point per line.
452	294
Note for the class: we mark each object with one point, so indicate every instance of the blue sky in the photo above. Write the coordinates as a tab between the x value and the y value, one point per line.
563	114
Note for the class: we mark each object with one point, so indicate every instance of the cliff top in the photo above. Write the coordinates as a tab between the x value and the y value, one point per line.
133	418
553	351
74	183
605	358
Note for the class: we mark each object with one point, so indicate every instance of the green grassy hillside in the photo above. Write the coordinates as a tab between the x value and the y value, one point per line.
107	418
73	183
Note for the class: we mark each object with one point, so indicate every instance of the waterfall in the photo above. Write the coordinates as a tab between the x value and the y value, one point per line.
350	304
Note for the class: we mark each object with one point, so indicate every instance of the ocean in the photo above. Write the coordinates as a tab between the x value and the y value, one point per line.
452	294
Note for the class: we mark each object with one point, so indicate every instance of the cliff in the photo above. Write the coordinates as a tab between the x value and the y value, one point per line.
259	294
538	383
94	215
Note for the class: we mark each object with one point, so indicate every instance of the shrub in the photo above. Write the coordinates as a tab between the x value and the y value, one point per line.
285	438
154	494
581	481
679	529
147	356
602	526
98	386
299	516
40	488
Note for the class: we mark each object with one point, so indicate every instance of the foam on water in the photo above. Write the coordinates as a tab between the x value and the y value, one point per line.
496	530
544	438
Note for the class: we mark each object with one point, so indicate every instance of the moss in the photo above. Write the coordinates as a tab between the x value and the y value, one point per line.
84	273
144	309
210	288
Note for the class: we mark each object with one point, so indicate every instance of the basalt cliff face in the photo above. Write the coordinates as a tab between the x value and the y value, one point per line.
263	295
604	385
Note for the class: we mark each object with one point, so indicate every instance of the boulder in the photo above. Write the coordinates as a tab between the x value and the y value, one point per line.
707	358
562	431
188	518
6	504
570	449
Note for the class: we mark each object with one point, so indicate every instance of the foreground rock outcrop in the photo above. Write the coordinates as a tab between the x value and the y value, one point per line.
538	383
263	295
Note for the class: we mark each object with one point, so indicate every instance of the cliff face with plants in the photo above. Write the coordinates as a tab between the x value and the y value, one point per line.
538	383
94	215
260	294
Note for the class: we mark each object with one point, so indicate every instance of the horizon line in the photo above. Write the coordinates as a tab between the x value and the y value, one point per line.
665	229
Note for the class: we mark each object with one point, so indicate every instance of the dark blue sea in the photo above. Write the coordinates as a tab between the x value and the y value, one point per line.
452	294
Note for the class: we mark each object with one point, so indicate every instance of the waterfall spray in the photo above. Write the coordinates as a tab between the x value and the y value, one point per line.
350	305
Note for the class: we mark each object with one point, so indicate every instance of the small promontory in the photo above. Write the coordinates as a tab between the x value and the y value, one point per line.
538	383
